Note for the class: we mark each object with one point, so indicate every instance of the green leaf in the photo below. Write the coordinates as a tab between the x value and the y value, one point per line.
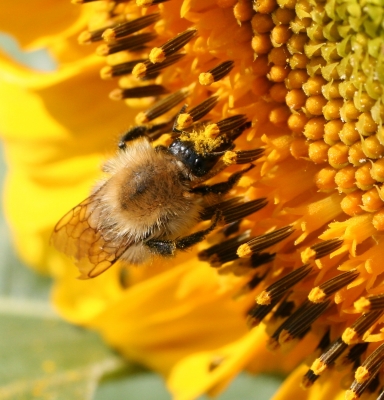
49	358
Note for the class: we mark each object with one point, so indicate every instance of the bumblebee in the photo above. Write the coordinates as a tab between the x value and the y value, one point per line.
155	195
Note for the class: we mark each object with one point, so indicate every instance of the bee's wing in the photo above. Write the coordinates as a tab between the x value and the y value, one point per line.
77	236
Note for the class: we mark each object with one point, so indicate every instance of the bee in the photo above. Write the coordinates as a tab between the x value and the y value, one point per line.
155	195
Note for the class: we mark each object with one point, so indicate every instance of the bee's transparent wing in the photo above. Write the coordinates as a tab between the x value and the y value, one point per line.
77	236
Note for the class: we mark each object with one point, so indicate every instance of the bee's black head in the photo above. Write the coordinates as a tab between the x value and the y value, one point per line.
198	164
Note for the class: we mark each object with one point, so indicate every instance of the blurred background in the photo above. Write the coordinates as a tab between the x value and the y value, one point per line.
45	358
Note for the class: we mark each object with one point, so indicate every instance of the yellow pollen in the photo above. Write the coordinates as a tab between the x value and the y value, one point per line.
229	158
106	72
141	118
84	38
350	336
351	395
264	298
109	35
212	131
244	251
362	305
318	366
184	120
362	374
316	295
285	337
143	3
156	55
206	79
139	70
308	255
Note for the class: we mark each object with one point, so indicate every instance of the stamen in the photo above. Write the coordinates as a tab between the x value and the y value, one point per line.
158	54
184	120
131	43
354	354
205	254
234	209
148	3
224	251
146	68
112	71
88	37
261	242
258	312
324	248
320	293
226	125
223	256
239	211
277	290
138	92
209	212
215	362
129	27
235	133
323	362
242	157
153	132
162	106
231	228
309	379
81	1
365	304
366	373
215	74
352	334
253	283
284	309
261	259
300	321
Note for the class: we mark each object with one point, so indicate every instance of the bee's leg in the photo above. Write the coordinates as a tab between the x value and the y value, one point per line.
133	134
168	247
151	132
222	187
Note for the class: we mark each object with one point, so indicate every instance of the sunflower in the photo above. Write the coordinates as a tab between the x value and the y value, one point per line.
302	275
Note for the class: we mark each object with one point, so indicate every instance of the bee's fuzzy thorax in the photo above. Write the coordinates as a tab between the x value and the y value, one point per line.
145	196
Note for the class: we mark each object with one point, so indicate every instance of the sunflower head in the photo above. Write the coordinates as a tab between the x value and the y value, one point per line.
296	85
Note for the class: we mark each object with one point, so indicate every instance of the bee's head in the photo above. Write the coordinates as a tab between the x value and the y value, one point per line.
199	164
